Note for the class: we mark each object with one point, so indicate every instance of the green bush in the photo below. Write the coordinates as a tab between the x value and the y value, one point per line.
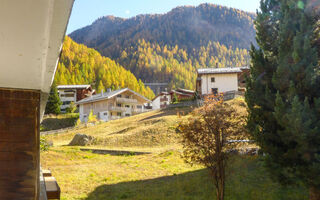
44	144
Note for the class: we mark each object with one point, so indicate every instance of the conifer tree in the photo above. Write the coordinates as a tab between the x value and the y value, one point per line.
283	92
54	103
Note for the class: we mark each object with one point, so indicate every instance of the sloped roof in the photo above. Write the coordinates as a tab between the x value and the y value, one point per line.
73	86
181	93
225	70
160	94
108	95
185	90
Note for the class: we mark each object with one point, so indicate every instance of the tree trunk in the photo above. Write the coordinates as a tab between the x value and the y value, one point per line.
314	193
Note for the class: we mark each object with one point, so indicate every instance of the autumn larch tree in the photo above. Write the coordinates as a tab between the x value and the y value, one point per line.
283	91
207	138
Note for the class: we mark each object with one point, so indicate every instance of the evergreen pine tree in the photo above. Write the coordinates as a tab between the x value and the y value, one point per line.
283	92
54	103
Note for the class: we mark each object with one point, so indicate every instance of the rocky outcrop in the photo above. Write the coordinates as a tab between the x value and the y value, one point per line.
81	140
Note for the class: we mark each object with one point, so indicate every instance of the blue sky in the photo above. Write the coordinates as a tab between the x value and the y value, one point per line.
87	11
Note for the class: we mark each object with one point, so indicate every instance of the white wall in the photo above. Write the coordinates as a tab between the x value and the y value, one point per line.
156	103
224	83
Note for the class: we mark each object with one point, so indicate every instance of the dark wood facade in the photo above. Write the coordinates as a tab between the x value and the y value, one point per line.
19	144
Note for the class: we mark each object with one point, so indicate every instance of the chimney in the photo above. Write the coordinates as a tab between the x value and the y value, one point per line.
101	92
109	90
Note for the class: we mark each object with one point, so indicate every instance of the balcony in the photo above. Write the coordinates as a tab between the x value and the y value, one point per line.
137	110
118	109
115	117
164	99
126	100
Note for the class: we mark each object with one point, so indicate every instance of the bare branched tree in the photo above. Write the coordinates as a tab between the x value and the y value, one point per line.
209	135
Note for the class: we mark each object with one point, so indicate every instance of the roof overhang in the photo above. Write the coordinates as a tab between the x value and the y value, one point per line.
31	37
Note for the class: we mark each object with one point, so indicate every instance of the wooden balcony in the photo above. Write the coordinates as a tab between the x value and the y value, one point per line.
118	109
126	100
137	110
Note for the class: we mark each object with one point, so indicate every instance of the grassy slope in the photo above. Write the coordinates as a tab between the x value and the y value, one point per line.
159	175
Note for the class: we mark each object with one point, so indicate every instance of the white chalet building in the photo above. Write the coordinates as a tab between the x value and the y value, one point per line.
217	80
112	105
161	101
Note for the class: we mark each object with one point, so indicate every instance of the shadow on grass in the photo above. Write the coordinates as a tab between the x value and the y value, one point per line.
168	112
247	180
182	186
115	152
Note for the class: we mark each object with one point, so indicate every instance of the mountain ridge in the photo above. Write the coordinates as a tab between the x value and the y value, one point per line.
170	47
201	24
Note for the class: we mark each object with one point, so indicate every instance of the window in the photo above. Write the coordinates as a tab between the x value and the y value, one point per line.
128	97
213	80
67	95
119	104
127	106
66	102
127	115
119	95
105	114
119	114
214	90
139	106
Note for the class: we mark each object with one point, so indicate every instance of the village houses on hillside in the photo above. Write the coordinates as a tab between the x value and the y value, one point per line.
73	93
112	105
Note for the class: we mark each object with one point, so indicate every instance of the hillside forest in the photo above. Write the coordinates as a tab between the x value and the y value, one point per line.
82	65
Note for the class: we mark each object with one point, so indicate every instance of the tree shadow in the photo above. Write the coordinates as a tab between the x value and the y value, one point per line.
247	179
168	112
190	185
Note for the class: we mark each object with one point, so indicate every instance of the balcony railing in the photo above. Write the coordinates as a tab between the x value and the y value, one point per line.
126	100
115	117
164	99
118	109
137	110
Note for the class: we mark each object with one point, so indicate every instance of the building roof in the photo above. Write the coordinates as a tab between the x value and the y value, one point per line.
225	70
181	93
73	86
29	56
245	67
185	90
161	94
108	95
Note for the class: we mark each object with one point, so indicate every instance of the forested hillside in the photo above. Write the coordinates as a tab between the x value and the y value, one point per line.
174	65
170	47
82	65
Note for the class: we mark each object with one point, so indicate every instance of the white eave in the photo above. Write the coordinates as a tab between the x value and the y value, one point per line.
31	37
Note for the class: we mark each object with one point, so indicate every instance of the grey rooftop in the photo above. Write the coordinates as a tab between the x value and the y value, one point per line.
73	86
226	70
108	95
